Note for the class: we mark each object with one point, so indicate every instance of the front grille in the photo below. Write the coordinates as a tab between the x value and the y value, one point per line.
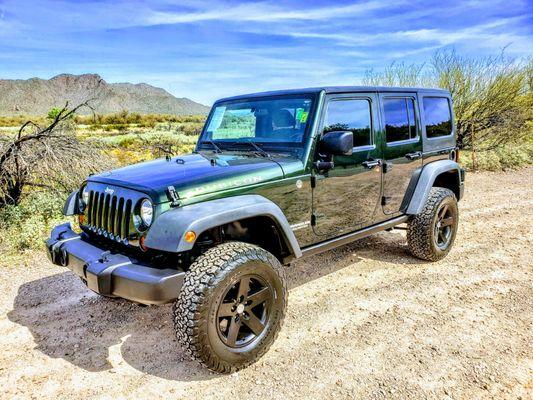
109	215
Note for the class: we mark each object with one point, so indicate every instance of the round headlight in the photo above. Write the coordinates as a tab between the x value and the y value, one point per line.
147	212
85	195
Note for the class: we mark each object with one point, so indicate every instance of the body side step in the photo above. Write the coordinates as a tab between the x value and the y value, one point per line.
350	237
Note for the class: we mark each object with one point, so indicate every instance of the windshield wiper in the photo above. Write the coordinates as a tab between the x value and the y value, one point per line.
259	149
213	144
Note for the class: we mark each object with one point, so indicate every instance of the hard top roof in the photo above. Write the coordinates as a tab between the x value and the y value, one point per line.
337	89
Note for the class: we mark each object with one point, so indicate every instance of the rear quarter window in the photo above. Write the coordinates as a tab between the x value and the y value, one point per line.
400	122
437	116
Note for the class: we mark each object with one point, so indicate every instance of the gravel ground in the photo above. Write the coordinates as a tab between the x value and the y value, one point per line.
364	321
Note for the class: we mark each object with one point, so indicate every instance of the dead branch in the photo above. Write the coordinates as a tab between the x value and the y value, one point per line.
50	158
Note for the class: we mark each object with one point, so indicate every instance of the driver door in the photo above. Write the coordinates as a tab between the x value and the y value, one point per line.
346	197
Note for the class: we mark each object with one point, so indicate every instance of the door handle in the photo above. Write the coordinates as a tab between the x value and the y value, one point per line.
413	156
369	164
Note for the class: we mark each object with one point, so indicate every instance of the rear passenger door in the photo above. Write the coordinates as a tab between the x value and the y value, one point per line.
402	146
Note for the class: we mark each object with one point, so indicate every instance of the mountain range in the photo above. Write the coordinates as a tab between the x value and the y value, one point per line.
37	96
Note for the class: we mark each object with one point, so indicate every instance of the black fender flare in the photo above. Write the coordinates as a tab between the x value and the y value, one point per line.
72	206
425	181
168	230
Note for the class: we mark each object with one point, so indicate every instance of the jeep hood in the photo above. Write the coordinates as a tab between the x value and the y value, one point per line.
194	174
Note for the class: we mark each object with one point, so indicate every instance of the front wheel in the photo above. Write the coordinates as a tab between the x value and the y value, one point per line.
231	306
430	234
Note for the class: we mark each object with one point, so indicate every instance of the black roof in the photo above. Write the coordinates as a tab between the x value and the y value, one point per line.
337	89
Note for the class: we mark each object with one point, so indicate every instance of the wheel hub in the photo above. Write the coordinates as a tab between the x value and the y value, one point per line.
244	311
444	227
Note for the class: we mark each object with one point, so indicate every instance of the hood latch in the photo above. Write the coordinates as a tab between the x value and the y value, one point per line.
173	196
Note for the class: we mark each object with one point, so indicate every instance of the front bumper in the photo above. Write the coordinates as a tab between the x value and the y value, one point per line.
113	275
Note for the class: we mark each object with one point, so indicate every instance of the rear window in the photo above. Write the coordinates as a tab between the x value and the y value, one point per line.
438	116
399	119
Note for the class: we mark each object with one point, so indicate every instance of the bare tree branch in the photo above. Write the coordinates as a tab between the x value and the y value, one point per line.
50	158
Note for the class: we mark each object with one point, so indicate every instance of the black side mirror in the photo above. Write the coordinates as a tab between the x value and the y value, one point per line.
337	143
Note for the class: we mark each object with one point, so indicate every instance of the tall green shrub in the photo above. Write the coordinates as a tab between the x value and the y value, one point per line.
493	100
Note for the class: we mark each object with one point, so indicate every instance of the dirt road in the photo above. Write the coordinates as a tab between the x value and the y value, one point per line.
364	321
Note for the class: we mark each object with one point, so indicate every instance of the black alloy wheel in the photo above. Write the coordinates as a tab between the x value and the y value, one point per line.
431	233
444	226
231	306
244	312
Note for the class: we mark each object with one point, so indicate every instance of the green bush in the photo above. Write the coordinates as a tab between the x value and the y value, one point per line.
502	158
492	96
24	227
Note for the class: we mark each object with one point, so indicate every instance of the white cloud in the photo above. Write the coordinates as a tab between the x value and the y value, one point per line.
498	33
225	47
264	12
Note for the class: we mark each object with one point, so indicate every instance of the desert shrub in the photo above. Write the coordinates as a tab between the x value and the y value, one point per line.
17	121
146	120
24	226
142	146
127	141
507	157
493	98
148	124
51	158
53	113
190	129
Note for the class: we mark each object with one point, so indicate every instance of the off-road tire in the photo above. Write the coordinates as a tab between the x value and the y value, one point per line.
195	310
421	227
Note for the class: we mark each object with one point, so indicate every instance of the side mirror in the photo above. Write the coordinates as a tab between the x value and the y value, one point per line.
337	143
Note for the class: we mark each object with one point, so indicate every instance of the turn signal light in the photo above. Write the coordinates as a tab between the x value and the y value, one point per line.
81	219
190	236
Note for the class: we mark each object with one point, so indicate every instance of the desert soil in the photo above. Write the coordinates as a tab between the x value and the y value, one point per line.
364	321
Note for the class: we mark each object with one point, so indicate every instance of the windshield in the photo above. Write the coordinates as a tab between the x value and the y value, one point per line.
275	124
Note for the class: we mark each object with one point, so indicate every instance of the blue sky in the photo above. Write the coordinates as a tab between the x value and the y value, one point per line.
208	49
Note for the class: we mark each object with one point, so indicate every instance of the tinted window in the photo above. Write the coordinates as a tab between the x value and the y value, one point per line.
438	116
350	115
399	119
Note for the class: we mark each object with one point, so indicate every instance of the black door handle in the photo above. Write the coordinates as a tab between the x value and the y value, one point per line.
413	156
369	164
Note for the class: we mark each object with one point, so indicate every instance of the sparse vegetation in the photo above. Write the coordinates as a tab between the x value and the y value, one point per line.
493	99
36	156
24	226
35	183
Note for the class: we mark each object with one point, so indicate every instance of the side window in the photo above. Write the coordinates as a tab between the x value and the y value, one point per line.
438	116
350	115
400	122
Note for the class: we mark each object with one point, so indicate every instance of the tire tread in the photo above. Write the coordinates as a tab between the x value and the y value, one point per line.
191	307
419	228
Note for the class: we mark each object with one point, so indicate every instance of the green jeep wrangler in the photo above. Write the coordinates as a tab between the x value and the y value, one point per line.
274	177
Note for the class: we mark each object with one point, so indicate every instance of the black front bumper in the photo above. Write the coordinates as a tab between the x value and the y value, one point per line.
114	275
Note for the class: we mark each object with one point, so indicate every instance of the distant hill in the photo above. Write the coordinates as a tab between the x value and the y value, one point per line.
37	96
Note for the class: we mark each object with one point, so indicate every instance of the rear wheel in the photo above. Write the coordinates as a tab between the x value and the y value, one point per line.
430	234
231	306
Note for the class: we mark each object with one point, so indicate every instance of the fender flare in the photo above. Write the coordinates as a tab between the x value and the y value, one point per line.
168	230
72	206
426	179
